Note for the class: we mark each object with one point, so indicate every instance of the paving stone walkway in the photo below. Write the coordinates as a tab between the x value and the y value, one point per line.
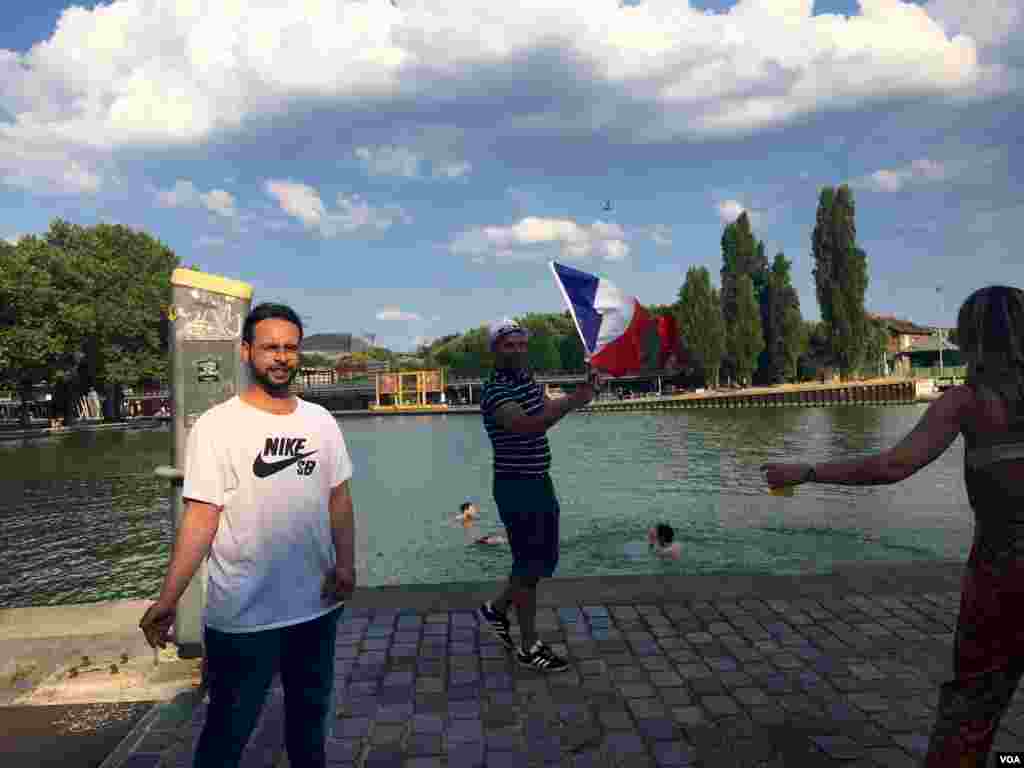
843	676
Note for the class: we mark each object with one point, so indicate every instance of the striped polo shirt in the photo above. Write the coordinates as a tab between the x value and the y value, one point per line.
515	454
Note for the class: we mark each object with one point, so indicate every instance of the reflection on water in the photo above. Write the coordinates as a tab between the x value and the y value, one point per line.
84	519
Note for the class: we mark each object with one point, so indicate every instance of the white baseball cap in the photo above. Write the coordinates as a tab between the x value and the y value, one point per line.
504	328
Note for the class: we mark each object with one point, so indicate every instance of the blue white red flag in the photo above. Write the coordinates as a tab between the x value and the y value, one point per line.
620	337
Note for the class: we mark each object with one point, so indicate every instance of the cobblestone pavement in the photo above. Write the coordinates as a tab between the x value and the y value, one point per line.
846	679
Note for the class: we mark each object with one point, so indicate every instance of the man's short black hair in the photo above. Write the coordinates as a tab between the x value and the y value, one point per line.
665	533
269	311
465	505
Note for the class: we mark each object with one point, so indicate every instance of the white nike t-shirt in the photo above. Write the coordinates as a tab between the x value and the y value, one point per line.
273	475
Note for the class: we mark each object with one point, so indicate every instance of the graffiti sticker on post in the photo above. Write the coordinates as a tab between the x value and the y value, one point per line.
208	369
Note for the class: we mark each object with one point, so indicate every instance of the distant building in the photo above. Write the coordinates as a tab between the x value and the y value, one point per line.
316	377
903	334
917	346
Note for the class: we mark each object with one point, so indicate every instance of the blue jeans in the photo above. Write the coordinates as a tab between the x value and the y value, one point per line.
241	667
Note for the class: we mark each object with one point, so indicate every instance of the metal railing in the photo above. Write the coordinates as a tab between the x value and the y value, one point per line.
946	372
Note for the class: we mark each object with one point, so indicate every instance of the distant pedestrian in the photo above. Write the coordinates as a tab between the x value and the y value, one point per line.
516	416
267	499
988	411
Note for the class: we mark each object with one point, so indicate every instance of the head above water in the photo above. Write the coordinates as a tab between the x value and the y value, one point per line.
990	335
271	337
665	533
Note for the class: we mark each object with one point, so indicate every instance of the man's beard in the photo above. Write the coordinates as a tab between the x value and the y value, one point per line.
271	387
513	362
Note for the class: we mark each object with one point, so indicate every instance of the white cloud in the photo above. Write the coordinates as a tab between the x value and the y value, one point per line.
532	238
299	201
920	171
220	202
394	313
453	170
46	167
184	194
353	214
987	22
159	73
389	161
730	210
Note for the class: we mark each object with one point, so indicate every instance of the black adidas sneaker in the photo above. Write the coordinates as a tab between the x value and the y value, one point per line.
498	622
541	658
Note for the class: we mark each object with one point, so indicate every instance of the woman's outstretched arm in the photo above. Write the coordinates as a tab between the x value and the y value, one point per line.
928	440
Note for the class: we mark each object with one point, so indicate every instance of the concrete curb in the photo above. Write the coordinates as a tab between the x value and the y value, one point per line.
164	717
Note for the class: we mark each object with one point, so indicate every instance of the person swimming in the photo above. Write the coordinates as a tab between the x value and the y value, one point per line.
468	514
491	539
661	541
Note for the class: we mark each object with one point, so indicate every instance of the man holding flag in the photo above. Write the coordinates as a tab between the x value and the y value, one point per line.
517	414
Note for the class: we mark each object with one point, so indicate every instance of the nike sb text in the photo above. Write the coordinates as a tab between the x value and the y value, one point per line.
290	448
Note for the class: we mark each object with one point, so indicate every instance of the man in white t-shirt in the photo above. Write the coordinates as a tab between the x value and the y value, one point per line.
267	500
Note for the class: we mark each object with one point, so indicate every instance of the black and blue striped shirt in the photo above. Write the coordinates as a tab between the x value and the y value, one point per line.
515	454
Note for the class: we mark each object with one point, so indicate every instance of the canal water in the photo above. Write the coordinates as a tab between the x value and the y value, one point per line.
83	518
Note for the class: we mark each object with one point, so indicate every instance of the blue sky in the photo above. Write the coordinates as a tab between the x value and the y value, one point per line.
409	172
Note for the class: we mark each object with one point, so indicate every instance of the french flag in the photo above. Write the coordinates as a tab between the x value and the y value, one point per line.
619	336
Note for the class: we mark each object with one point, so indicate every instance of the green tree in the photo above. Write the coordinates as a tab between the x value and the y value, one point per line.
795	340
571	352
542	349
744	335
128	276
469	354
782	324
542	353
742	254
840	277
46	317
876	346
699	316
315	361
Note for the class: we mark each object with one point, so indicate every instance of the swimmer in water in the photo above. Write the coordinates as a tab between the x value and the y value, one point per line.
491	538
468	514
661	541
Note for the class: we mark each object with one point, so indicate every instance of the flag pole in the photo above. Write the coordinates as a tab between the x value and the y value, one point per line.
572	312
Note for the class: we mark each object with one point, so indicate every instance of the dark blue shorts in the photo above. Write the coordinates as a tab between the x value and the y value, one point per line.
529	509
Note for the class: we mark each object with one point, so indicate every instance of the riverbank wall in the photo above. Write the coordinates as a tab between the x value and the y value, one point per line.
876	392
813	394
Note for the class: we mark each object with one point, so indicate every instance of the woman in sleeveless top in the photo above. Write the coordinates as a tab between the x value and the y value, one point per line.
988	655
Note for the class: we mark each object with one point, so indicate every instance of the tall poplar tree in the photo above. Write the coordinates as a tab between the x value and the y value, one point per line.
699	316
745	337
840	278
